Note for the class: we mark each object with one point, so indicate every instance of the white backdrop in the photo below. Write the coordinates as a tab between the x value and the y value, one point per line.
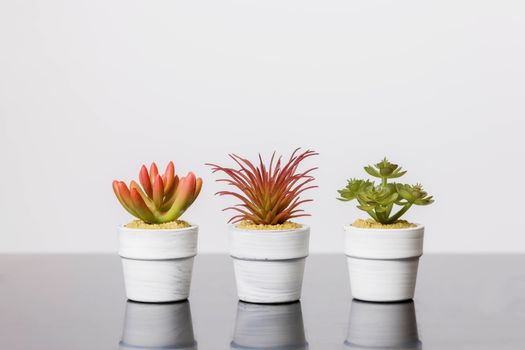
89	90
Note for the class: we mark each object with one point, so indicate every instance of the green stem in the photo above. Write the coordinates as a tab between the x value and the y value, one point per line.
397	215
384	181
369	212
382	218
389	209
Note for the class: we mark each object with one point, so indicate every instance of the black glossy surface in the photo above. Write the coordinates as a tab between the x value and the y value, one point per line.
77	302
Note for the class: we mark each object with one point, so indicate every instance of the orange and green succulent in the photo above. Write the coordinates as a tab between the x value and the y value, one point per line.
269	194
379	200
162	198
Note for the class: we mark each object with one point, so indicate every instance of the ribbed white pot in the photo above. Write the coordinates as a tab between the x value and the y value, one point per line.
269	265
382	326
383	263
157	264
158	326
277	326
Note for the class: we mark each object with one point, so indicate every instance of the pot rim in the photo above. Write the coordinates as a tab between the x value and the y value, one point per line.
349	227
164	230
233	227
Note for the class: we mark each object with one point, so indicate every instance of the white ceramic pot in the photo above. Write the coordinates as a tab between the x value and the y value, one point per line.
260	326
382	326
269	265
158	326
383	263
157	264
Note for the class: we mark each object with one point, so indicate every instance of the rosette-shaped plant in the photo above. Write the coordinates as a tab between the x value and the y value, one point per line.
161	199
379	200
269	193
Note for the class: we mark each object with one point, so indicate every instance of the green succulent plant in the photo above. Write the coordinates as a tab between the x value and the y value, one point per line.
379	200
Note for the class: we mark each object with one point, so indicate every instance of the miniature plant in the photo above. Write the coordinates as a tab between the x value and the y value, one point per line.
161	199
379	200
269	194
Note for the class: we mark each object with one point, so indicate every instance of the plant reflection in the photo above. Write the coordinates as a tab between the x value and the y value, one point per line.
165	325
277	326
382	326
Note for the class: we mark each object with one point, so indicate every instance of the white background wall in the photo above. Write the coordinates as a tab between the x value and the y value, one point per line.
89	90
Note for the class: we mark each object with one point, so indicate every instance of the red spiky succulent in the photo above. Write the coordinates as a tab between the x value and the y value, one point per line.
270	195
162	198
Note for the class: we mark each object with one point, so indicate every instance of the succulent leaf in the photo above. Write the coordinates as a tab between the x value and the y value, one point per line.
372	172
145	180
125	194
121	193
353	188
153	172
169	177
140	206
414	194
158	191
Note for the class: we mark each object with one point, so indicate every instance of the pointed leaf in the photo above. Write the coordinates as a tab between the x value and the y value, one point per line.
153	172
140	207
158	191
120	193
145	181
169	177
371	171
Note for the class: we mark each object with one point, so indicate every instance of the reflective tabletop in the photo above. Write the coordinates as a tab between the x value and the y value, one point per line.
78	302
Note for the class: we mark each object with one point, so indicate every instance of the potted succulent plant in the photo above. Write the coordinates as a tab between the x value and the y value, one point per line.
157	250
383	251
267	248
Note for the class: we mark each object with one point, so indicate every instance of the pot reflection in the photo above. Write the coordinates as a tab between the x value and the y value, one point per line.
165	325
275	326
382	326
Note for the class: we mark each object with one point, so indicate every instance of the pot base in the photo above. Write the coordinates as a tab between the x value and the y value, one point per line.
157	281
383	280
269	282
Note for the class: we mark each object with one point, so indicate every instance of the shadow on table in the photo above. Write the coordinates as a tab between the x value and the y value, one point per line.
166	326
278	326
382	326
